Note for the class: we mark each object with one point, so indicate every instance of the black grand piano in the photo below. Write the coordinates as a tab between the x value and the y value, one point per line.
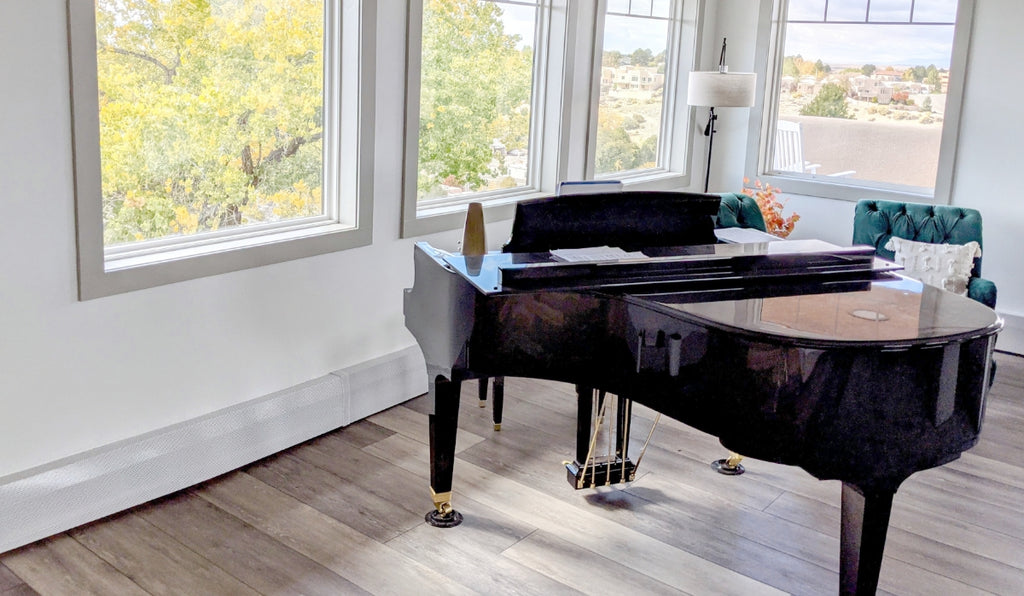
797	352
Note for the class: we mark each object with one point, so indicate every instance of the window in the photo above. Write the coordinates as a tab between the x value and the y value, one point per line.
476	85
506	98
208	135
631	104
864	95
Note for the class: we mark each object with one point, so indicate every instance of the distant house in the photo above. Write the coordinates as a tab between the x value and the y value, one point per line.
867	88
808	85
885	93
889	74
645	78
915	88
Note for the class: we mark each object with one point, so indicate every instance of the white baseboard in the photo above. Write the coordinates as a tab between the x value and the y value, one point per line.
1011	338
76	490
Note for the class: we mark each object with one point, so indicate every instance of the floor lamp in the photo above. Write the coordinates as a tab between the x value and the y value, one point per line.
719	89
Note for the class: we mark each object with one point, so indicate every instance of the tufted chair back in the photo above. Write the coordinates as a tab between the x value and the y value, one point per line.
739	211
874	222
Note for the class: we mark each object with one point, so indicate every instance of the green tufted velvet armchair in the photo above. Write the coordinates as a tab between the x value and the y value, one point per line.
874	222
739	211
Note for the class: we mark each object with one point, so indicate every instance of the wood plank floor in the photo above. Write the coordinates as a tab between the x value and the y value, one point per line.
343	514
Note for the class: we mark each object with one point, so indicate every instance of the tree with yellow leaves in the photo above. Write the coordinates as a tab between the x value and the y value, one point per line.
211	114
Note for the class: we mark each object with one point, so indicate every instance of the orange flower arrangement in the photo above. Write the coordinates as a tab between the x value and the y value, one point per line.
771	208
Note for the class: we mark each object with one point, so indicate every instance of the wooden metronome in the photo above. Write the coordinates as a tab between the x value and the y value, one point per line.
474	241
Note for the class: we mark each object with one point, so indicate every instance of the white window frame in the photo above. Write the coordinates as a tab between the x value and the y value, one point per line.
563	127
350	38
768	60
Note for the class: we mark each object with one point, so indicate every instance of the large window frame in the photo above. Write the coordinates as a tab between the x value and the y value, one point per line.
349	62
768	60
563	131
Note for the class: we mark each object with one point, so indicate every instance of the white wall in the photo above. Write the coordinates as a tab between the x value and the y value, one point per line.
989	158
991	155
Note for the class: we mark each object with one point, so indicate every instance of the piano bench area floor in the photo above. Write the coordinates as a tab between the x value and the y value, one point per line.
343	514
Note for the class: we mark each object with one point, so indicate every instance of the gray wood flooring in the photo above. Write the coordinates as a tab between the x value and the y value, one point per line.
343	514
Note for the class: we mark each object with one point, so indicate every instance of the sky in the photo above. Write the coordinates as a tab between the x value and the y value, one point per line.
835	44
881	10
623	34
878	44
881	45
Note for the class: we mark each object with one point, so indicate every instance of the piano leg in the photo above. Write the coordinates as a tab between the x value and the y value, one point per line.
864	524
483	391
499	398
499	401
444	424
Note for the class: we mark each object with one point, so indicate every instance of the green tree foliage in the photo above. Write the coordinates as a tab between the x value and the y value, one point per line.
210	114
789	66
647	153
642	57
475	87
611	58
616	151
830	102
932	78
868	69
915	74
796	67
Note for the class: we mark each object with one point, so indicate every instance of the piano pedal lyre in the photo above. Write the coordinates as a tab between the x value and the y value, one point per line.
609	464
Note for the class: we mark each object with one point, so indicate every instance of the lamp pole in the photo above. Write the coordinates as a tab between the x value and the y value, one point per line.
709	132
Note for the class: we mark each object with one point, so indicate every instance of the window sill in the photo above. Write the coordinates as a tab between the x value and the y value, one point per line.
845	189
653	180
136	270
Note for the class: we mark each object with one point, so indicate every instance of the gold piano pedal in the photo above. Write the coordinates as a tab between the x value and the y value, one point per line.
729	466
614	465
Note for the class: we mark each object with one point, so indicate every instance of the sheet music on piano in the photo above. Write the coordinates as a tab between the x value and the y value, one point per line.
592	254
742	235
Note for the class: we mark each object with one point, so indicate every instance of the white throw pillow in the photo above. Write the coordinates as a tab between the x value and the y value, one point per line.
947	266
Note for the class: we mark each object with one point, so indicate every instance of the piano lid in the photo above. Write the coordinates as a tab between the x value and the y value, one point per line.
890	312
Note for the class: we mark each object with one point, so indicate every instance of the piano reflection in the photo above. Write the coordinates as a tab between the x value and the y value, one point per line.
797	352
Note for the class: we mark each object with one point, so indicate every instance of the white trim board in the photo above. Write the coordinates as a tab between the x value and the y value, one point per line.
61	495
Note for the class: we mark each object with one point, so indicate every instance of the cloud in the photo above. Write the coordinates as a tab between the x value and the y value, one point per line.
626	34
890	45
